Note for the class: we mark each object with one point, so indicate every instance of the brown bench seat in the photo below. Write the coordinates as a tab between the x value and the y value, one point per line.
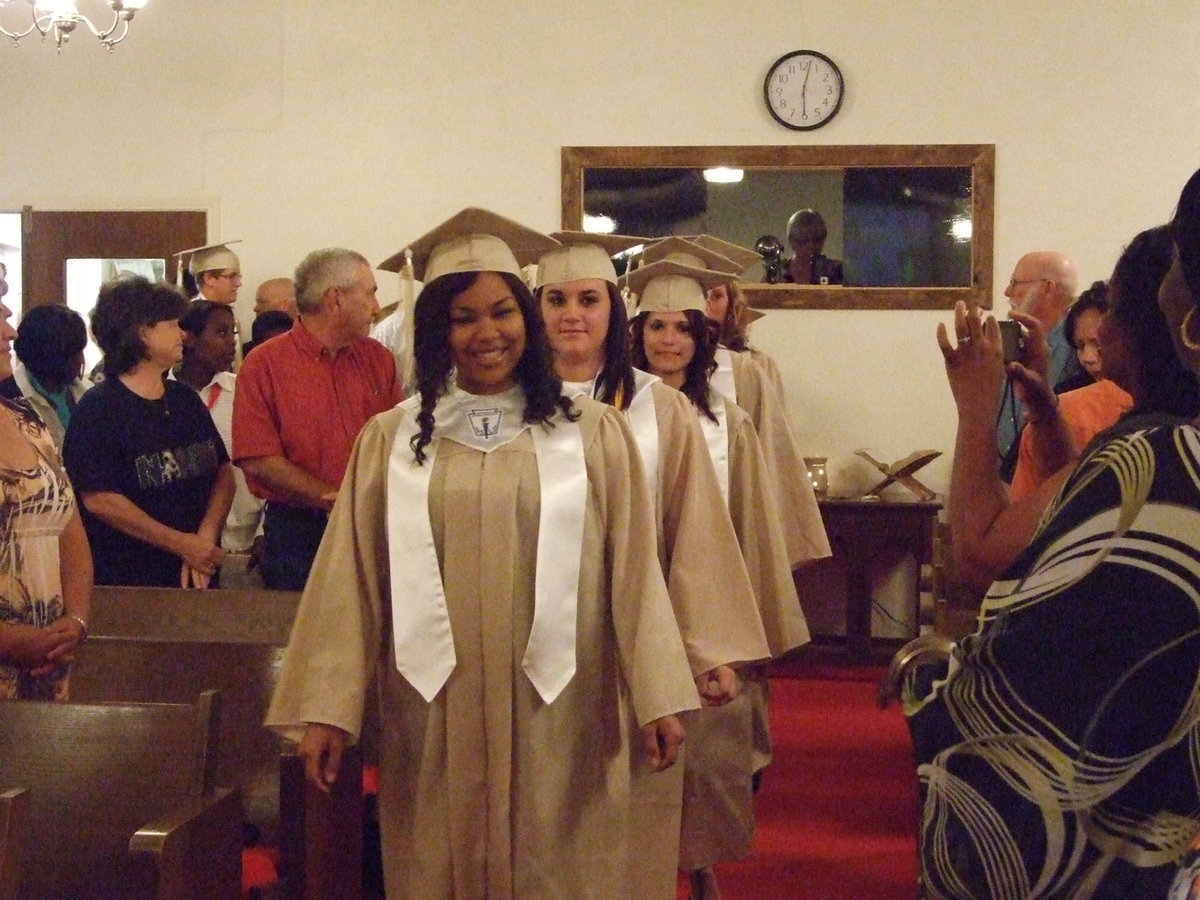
122	801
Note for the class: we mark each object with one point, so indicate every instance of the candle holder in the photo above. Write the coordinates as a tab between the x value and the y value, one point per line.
817	475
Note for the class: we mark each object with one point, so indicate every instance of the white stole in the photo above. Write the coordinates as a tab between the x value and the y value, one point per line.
716	436
722	379
642	418
643	422
424	644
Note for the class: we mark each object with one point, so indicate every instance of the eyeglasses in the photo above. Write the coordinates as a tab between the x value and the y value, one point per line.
232	276
1013	282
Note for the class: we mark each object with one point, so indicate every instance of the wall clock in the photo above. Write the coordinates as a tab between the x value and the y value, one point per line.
803	90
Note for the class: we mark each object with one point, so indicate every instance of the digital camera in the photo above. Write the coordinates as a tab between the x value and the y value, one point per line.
1012	338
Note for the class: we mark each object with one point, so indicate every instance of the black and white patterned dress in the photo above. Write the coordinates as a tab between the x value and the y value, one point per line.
1061	757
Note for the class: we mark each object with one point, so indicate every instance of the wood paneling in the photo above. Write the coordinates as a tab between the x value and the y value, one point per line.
53	236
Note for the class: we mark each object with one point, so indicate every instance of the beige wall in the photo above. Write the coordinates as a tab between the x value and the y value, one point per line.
300	124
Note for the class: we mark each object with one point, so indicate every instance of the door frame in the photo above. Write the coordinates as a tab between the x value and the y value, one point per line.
50	237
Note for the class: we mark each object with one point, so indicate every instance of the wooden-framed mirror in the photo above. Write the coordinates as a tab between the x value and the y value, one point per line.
911	223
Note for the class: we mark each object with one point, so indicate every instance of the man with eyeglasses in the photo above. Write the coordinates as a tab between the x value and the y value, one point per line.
216	271
1042	287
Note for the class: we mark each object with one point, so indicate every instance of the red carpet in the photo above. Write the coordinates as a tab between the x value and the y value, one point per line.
837	810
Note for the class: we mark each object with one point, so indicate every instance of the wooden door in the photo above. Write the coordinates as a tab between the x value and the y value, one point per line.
51	237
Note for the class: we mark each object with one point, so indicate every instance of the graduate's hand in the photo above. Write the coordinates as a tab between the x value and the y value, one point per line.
321	749
718	687
662	738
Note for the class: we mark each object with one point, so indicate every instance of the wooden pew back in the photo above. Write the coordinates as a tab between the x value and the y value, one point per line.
167	645
14	828
97	775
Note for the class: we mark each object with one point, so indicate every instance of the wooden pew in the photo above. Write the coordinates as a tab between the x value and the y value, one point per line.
122	800
163	644
14	828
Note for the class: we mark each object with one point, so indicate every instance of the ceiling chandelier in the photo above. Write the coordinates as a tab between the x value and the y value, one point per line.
59	18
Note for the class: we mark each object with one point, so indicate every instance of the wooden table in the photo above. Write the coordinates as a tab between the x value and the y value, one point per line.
863	531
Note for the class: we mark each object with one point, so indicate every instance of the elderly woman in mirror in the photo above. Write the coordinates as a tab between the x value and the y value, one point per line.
1058	757
806	235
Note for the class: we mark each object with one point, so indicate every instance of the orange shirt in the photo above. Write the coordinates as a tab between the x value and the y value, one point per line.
1088	411
297	400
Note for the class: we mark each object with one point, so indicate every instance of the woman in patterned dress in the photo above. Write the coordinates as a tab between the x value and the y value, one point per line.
45	565
1061	755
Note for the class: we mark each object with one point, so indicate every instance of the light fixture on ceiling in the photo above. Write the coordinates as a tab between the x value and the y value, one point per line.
722	175
59	18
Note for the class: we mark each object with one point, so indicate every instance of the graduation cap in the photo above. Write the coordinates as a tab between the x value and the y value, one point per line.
583	255
208	258
670	286
473	240
743	256
689	253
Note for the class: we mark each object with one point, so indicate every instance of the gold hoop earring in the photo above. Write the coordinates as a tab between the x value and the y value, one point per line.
1184	327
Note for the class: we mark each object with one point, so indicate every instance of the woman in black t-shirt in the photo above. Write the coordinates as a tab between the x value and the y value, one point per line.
145	458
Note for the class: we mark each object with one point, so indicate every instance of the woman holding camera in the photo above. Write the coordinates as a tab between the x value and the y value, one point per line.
1058	755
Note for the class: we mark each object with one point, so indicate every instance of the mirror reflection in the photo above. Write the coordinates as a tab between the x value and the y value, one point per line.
872	227
838	226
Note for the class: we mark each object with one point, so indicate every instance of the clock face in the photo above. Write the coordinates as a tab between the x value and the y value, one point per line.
803	90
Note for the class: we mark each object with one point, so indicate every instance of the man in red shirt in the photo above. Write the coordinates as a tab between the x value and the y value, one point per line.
301	400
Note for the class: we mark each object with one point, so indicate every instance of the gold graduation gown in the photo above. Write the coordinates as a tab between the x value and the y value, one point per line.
487	791
715	607
728	744
770	369
801	518
764	547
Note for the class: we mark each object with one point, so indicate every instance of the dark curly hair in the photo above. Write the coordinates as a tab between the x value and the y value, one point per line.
1185	230
1164	384
124	306
615	380
433	363
49	342
195	320
703	364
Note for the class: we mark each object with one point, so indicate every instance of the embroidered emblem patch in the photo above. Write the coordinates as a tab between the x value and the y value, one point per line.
485	423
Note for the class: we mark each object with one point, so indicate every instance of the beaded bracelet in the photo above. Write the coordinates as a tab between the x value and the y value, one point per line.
82	624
